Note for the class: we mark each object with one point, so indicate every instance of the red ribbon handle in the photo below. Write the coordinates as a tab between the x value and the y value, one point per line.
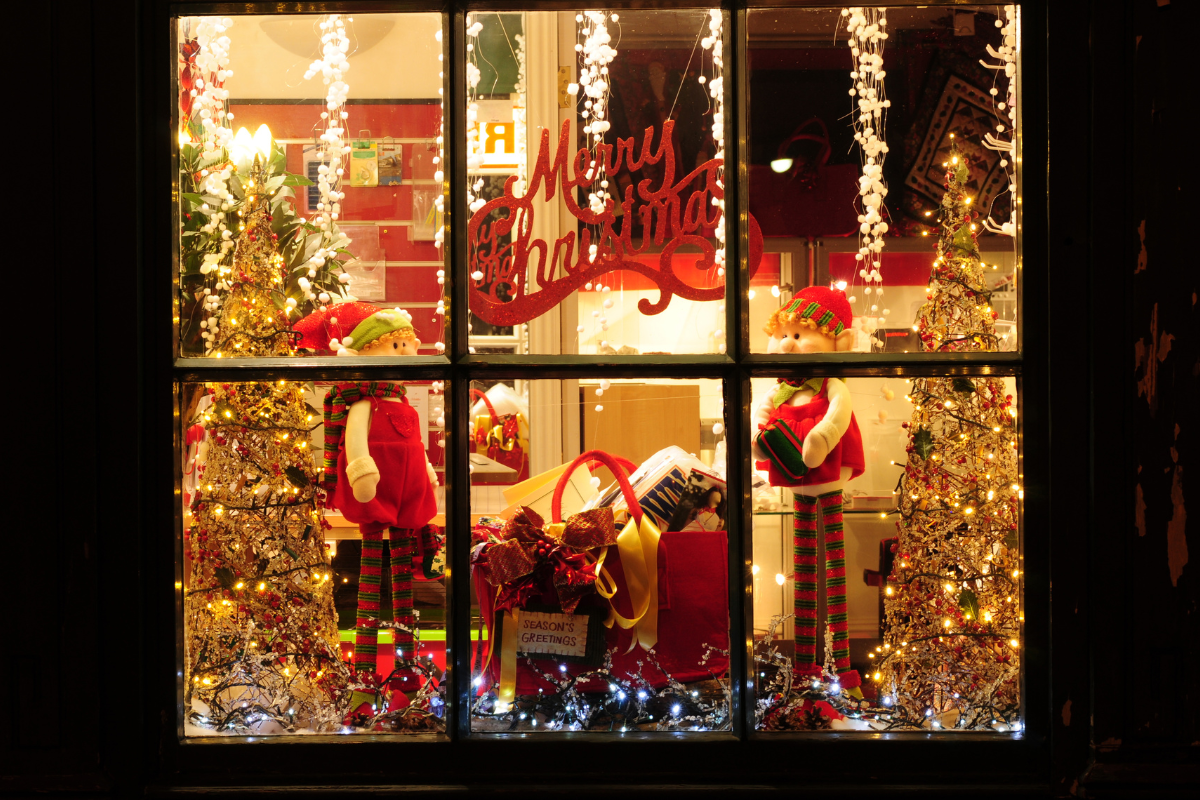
625	463
614	466
491	408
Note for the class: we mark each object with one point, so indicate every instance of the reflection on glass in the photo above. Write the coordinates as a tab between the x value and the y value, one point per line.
306	177
617	618
291	624
596	181
888	597
852	181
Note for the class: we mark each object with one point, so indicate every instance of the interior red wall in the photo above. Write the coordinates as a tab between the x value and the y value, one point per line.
411	278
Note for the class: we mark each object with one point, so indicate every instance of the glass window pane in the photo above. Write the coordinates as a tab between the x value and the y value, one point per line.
608	623
594	152
312	558
309	176
889	174
887	574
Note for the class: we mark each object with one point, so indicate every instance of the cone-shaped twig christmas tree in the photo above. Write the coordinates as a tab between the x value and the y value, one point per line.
953	608
262	639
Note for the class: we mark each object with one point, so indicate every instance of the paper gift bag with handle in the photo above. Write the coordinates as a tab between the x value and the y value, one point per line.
665	593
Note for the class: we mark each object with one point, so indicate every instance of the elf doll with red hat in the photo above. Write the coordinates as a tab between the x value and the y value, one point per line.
376	469
806	436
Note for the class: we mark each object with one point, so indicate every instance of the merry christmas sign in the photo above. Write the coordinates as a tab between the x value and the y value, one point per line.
673	212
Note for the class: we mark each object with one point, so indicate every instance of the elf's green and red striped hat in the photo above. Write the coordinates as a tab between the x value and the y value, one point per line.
827	310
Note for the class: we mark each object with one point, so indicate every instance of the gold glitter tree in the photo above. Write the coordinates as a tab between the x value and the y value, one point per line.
262	650
951	653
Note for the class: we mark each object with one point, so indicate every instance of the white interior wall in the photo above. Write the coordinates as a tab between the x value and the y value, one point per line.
392	57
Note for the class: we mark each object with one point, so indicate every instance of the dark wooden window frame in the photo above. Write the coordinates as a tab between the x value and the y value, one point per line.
178	765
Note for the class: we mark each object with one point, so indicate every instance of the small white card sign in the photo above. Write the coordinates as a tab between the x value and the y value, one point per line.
554	634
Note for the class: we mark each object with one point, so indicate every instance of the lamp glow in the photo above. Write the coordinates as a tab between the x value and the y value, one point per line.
262	141
781	165
241	152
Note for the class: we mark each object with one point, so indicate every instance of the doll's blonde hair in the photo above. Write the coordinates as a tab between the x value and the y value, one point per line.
398	335
781	316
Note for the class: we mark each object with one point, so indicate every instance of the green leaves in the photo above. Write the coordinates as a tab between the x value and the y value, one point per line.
296	180
272	185
969	604
963	385
963	240
296	477
923	442
961	173
225	577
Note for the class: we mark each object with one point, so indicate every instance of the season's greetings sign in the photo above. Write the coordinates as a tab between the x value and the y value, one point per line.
671	216
552	634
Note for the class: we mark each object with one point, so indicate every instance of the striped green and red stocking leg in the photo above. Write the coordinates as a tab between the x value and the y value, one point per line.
804	556
835	587
402	546
366	631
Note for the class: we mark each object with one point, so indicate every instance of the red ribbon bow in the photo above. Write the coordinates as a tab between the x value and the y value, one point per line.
528	559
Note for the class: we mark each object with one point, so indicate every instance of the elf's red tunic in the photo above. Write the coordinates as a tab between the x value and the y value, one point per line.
404	497
848	452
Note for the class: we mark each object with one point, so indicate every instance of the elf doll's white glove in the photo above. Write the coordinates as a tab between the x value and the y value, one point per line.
433	478
364	477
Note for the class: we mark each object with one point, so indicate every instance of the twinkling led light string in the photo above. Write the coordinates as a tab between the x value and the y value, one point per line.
332	66
867	28
1006	112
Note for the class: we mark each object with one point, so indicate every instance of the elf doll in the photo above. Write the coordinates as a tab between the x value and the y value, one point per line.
808	440
376	468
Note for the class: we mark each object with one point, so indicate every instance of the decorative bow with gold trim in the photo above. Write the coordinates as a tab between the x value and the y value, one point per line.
528	555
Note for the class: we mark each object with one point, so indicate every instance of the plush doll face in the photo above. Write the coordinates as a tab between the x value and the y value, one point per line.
800	337
391	346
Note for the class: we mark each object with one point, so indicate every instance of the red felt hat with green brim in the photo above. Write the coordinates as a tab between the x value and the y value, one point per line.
828	310
348	326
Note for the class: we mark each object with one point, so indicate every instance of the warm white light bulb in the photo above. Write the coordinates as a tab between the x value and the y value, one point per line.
241	152
262	141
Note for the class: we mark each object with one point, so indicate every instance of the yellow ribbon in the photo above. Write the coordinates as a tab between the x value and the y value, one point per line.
638	546
508	658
